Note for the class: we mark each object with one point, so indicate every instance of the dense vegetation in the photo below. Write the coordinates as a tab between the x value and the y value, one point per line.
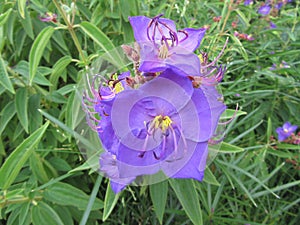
46	49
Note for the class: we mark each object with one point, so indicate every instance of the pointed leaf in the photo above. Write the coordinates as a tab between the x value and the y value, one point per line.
110	202
4	16
104	42
14	163
43	213
187	195
7	113
66	194
22	106
159	193
21	7
4	79
228	148
58	70
37	50
27	24
210	178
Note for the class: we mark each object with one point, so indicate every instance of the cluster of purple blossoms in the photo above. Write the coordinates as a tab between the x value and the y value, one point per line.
162	116
272	7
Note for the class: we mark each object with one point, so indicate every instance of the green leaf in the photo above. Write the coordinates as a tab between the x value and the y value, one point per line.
6	115
14	163
242	17
158	194
110	202
288	146
277	188
37	50
210	178
230	113
4	16
4	79
87	143
188	197
24	212
103	41
228	148
66	194
269	129
37	168
21	7
97	35
279	153
239	47
125	10
91	200
27	24
23	68
22	106
43	213
58	69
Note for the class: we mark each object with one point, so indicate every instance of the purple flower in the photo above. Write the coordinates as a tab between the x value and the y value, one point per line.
48	17
279	5
273	67
162	46
285	131
164	125
264	10
272	25
248	2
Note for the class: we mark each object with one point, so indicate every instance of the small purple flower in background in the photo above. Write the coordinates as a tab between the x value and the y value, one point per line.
248	2
284	64
49	17
285	131
264	10
278	5
272	25
162	46
273	67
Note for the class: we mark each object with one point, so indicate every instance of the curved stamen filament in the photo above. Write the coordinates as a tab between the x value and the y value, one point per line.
158	25
218	57
232	118
174	142
185	33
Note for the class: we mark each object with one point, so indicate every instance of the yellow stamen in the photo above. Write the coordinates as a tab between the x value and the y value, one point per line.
201	58
118	87
163	51
162	122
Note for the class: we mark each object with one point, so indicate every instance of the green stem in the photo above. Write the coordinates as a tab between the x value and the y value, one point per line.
91	201
72	32
227	16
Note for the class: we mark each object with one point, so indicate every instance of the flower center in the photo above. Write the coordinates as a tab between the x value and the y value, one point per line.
285	130
116	84
163	51
161	122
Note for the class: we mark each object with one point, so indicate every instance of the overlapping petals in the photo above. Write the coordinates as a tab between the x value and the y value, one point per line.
162	46
163	117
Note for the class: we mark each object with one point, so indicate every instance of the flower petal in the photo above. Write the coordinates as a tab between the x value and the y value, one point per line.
191	165
184	61
193	40
140	25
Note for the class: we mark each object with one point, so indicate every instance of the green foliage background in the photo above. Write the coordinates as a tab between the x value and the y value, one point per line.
44	178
